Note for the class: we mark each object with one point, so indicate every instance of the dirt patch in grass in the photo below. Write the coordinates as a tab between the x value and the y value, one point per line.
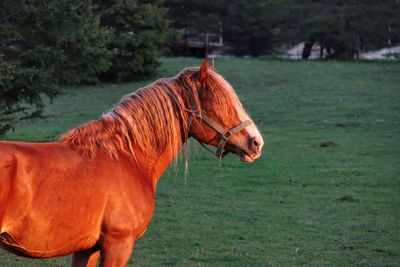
348	198
325	144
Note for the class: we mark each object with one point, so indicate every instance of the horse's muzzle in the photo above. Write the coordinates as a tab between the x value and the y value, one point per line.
255	145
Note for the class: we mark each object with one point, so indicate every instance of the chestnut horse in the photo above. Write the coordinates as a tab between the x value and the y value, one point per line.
92	192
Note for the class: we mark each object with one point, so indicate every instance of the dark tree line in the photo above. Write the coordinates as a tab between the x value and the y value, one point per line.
345	28
342	28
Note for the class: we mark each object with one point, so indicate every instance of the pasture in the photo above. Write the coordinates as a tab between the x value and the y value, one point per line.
324	193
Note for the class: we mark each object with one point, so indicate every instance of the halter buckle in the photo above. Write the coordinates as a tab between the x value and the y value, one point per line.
228	134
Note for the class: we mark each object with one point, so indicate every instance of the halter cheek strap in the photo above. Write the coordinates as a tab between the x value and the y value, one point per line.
225	134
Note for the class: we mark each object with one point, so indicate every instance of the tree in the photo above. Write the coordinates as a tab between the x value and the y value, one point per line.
140	34
44	44
199	16
20	90
248	27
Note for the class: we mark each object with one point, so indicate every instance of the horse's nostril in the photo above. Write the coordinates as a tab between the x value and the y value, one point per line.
255	144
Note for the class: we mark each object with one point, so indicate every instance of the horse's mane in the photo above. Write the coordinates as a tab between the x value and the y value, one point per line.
155	117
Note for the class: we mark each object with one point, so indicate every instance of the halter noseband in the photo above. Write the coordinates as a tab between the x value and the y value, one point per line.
225	134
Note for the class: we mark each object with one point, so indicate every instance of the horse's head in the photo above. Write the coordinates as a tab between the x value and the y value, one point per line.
222	121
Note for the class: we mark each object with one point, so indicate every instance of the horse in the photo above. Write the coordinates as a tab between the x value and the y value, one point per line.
92	192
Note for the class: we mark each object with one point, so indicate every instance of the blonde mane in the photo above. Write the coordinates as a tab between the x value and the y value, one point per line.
156	117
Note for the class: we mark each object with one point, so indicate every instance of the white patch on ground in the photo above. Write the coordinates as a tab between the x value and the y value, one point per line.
384	53
388	53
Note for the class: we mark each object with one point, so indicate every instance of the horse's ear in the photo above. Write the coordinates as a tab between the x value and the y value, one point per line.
211	66
203	71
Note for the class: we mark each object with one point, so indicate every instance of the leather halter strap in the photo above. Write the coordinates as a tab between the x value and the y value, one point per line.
225	134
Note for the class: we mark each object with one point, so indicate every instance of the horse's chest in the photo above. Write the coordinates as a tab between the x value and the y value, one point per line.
128	213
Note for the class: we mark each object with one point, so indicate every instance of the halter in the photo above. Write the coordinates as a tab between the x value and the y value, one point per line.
225	134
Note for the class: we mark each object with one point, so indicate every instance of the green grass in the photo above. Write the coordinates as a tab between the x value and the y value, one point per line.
325	193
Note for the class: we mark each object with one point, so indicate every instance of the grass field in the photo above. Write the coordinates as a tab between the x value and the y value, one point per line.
325	193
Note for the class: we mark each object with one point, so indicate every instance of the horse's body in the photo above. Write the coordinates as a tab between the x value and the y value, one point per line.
93	191
39	197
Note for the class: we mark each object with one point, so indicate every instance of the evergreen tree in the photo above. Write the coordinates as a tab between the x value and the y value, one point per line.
199	16
20	89
43	44
140	34
248	27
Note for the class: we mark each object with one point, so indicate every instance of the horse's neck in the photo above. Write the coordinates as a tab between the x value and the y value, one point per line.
154	167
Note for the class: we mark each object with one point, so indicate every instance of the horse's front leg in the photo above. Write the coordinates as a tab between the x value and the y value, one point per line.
115	252
86	258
